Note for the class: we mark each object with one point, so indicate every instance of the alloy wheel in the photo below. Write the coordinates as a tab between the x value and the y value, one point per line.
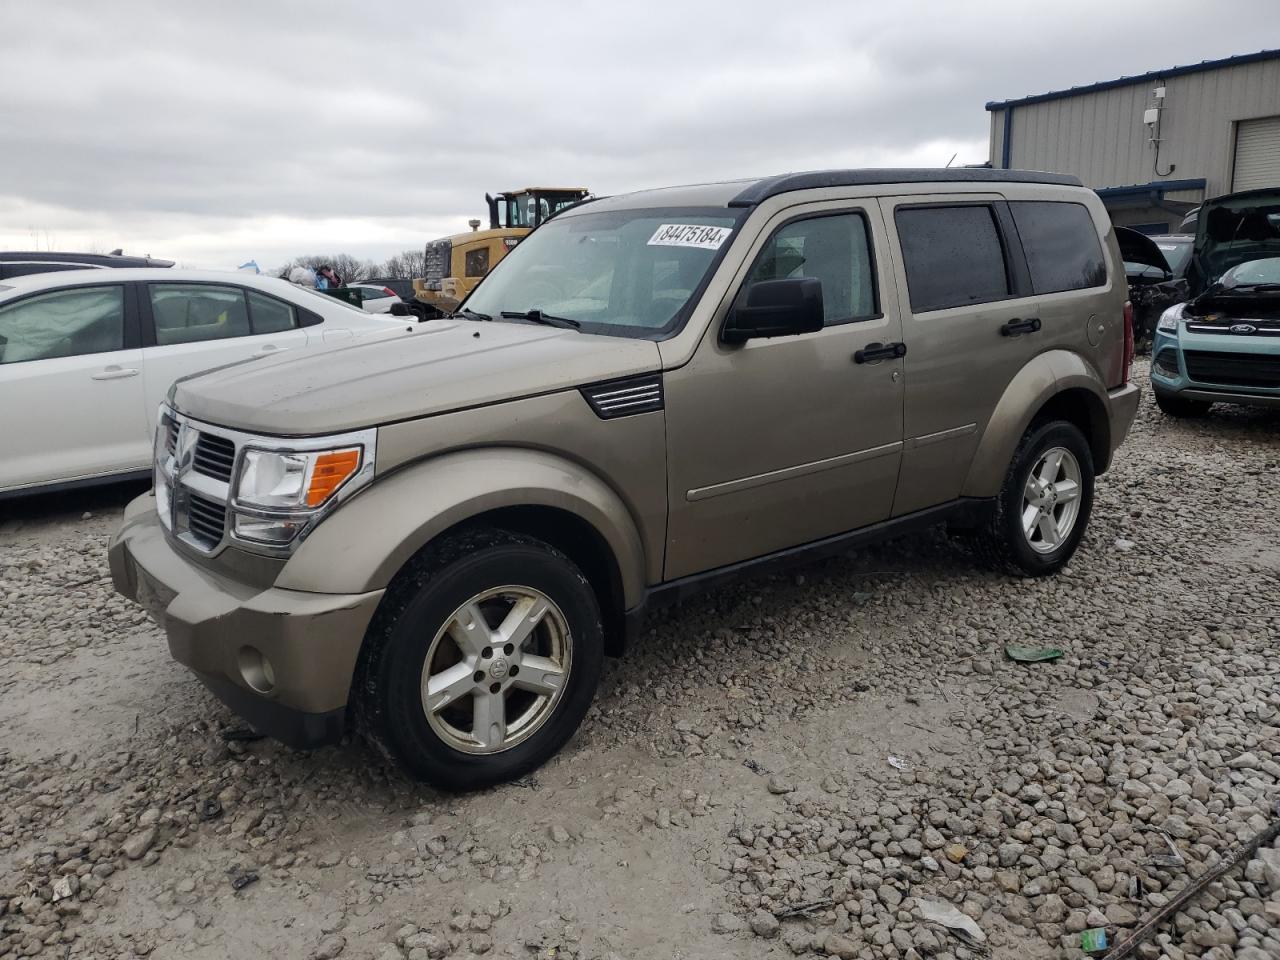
1051	500
496	669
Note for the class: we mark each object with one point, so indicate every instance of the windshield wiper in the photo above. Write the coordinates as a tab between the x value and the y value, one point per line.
537	316
470	314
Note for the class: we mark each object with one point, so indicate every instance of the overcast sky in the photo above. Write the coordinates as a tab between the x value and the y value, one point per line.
218	132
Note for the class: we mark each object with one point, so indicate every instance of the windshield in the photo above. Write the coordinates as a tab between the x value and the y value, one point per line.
530	209
625	272
1176	252
1253	273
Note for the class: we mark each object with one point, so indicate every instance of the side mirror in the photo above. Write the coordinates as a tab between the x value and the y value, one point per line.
401	309
776	308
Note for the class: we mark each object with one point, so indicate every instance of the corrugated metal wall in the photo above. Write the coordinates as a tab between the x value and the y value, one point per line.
1100	136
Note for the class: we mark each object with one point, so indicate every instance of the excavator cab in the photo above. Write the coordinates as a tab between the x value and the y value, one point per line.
529	207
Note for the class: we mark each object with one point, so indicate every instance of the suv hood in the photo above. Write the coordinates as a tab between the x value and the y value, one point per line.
1231	230
431	368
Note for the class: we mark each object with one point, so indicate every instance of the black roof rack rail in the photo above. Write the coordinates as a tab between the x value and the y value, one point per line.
762	190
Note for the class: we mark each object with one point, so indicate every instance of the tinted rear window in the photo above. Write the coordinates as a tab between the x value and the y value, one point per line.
1063	252
953	256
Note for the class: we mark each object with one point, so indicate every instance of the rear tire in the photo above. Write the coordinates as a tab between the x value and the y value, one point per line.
1176	406
1043	507
440	687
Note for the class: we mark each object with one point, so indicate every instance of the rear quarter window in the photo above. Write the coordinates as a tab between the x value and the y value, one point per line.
1061	244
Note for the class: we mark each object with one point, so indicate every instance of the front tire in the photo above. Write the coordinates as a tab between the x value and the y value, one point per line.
1043	507
481	661
1181	407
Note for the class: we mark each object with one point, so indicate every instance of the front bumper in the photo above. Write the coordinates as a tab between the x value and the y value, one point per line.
1172	379
224	630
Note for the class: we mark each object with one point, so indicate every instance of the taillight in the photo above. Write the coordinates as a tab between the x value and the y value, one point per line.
388	291
1128	343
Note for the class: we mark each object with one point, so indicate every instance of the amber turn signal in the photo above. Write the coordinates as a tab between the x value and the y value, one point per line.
330	472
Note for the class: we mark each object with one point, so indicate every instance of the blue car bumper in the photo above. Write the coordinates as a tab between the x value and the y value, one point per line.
1217	367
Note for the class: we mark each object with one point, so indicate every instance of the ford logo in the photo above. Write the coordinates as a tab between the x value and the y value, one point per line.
1243	328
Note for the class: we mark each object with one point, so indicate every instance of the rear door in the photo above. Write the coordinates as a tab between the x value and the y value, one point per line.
986	284
970	323
71	390
190	327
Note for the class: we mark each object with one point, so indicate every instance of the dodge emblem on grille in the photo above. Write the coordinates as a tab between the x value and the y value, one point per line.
1243	328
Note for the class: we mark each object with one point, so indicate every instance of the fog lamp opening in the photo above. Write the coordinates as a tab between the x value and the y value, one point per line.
257	670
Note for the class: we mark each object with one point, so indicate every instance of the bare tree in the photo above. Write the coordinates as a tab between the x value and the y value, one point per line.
350	269
407	265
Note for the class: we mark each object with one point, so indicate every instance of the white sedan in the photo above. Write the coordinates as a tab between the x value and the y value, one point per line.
87	356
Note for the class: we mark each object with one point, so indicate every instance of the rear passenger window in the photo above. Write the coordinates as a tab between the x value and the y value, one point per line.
197	312
270	315
834	249
953	256
1061	243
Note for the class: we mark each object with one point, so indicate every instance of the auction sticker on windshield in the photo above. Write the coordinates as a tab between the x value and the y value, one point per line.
689	235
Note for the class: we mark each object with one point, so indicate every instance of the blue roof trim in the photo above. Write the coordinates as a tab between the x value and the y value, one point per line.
1201	67
1155	186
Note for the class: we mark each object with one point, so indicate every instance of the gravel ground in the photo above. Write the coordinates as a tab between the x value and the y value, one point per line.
783	768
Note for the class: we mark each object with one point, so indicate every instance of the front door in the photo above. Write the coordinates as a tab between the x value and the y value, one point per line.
71	401
780	442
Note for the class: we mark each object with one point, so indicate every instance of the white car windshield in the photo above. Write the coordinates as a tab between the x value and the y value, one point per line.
625	272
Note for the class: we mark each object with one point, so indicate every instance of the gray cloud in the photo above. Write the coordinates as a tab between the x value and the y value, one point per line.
221	131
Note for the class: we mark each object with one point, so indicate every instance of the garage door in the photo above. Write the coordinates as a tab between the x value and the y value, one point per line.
1257	154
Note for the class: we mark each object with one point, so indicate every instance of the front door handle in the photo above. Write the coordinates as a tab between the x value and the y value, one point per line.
268	348
880	351
115	373
1016	327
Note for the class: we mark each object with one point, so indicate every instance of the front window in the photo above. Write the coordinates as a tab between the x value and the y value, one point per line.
625	273
65	323
531	209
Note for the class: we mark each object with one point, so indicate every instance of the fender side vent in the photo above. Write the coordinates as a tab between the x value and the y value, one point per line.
622	398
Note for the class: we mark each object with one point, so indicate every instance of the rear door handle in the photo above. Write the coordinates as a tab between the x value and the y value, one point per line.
880	351
115	373
268	348
1016	327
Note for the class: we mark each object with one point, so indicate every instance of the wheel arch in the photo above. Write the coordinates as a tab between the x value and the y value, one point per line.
1057	384
374	535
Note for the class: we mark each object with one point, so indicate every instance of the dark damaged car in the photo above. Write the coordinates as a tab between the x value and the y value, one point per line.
1223	344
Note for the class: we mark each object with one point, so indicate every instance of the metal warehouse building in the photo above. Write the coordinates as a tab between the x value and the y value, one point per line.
1153	146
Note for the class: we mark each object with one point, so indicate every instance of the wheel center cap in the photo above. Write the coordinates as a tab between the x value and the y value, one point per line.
498	669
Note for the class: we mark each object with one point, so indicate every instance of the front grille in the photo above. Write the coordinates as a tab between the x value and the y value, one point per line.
1233	369
171	428
621	398
435	264
214	457
207	520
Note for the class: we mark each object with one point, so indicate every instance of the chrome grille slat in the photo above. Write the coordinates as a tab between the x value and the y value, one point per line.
206	519
622	398
214	456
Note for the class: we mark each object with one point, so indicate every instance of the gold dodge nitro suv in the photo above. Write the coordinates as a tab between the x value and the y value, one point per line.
434	537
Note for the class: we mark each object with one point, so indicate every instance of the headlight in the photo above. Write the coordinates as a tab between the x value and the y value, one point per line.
279	492
1169	319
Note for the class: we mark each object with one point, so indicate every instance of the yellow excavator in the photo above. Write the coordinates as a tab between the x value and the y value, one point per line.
454	265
